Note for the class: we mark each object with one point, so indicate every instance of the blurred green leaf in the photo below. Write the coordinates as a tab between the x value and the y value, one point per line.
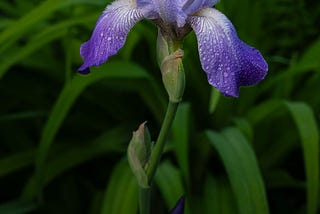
310	58
41	12
168	179
308	62
242	168
260	112
22	115
214	99
69	157
69	94
16	207
219	196
25	23
42	39
121	196
16	161
180	138
308	130
282	179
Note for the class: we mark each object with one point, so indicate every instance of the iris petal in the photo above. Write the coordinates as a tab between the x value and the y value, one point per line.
228	62
192	6
171	11
110	33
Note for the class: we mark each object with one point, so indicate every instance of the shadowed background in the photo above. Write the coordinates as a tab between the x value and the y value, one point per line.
63	136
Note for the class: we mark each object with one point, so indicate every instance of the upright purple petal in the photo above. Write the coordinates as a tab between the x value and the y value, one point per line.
150	8
179	208
228	62
191	6
110	33
171	11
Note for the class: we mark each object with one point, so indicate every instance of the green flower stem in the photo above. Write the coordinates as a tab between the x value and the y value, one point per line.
144	200
144	193
170	61
159	146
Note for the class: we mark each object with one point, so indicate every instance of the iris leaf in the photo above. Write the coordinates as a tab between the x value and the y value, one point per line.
121	193
242	168
168	179
69	94
219	197
309	134
180	138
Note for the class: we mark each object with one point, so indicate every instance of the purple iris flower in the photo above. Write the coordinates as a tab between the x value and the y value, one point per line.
228	62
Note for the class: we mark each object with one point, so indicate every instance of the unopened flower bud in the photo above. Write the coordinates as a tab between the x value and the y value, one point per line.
139	151
173	75
170	61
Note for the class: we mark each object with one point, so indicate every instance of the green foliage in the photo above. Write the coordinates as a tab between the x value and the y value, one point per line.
122	190
63	136
242	168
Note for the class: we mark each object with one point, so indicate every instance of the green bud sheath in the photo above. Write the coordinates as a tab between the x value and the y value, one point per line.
173	75
139	151
170	61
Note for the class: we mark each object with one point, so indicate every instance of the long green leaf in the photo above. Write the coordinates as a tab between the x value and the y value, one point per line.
41	39
219	197
68	96
307	126
214	99
168	179
17	207
23	24
180	132
68	157
242	168
16	161
41	12
121	196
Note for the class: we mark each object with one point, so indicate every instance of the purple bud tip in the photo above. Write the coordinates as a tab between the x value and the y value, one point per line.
179	208
85	71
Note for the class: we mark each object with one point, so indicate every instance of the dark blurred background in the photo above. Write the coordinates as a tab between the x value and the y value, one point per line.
63	136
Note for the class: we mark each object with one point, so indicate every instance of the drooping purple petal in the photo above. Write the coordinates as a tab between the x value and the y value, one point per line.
179	208
228	62
110	33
